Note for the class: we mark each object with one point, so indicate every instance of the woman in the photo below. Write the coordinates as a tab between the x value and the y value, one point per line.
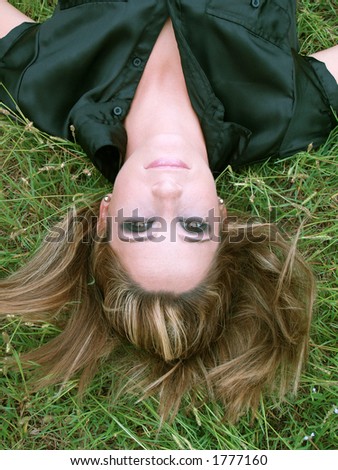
186	298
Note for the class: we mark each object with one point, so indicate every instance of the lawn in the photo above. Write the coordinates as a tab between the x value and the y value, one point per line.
42	176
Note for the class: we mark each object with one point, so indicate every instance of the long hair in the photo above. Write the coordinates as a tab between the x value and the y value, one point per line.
240	333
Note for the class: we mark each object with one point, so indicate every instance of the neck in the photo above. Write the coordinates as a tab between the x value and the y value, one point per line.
161	106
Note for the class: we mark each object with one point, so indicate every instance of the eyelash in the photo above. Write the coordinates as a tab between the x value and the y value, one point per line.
130	226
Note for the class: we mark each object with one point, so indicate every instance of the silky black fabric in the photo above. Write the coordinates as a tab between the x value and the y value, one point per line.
256	97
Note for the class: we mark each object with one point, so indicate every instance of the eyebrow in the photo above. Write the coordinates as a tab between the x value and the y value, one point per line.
185	238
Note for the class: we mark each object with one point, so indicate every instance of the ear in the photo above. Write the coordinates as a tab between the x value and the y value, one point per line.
104	209
223	213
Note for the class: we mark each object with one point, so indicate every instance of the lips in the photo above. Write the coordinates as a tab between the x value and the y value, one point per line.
167	163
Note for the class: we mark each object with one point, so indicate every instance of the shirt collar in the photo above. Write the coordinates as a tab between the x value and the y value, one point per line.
99	126
225	141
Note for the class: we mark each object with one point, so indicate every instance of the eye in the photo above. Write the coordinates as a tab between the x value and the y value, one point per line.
195	225
136	225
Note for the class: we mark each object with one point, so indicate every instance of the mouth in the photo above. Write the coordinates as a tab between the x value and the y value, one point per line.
167	163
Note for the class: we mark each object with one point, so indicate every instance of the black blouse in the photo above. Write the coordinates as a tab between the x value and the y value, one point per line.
75	75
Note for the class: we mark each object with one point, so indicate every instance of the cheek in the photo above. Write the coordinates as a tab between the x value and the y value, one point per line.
205	193
124	187
129	183
205	185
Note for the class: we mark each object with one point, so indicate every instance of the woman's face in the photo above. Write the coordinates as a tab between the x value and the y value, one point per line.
165	216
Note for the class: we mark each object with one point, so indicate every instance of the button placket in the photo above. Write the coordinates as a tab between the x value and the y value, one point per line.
137	62
117	110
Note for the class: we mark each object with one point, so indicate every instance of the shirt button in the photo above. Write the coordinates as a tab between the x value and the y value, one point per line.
255	3
137	62
117	111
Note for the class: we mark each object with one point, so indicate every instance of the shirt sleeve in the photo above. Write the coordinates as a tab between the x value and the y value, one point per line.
315	105
17	51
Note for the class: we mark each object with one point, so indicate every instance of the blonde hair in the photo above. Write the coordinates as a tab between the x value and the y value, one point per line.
242	332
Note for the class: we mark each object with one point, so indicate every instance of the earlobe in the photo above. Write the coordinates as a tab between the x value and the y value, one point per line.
224	213
104	206
223	210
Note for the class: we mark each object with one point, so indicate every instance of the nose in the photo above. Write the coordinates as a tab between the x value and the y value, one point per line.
167	189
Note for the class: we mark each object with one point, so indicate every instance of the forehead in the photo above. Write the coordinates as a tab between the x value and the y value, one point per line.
171	266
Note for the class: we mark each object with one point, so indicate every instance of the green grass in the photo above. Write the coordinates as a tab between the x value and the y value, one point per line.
42	176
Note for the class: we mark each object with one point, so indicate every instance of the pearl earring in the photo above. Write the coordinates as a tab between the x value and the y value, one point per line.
106	199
